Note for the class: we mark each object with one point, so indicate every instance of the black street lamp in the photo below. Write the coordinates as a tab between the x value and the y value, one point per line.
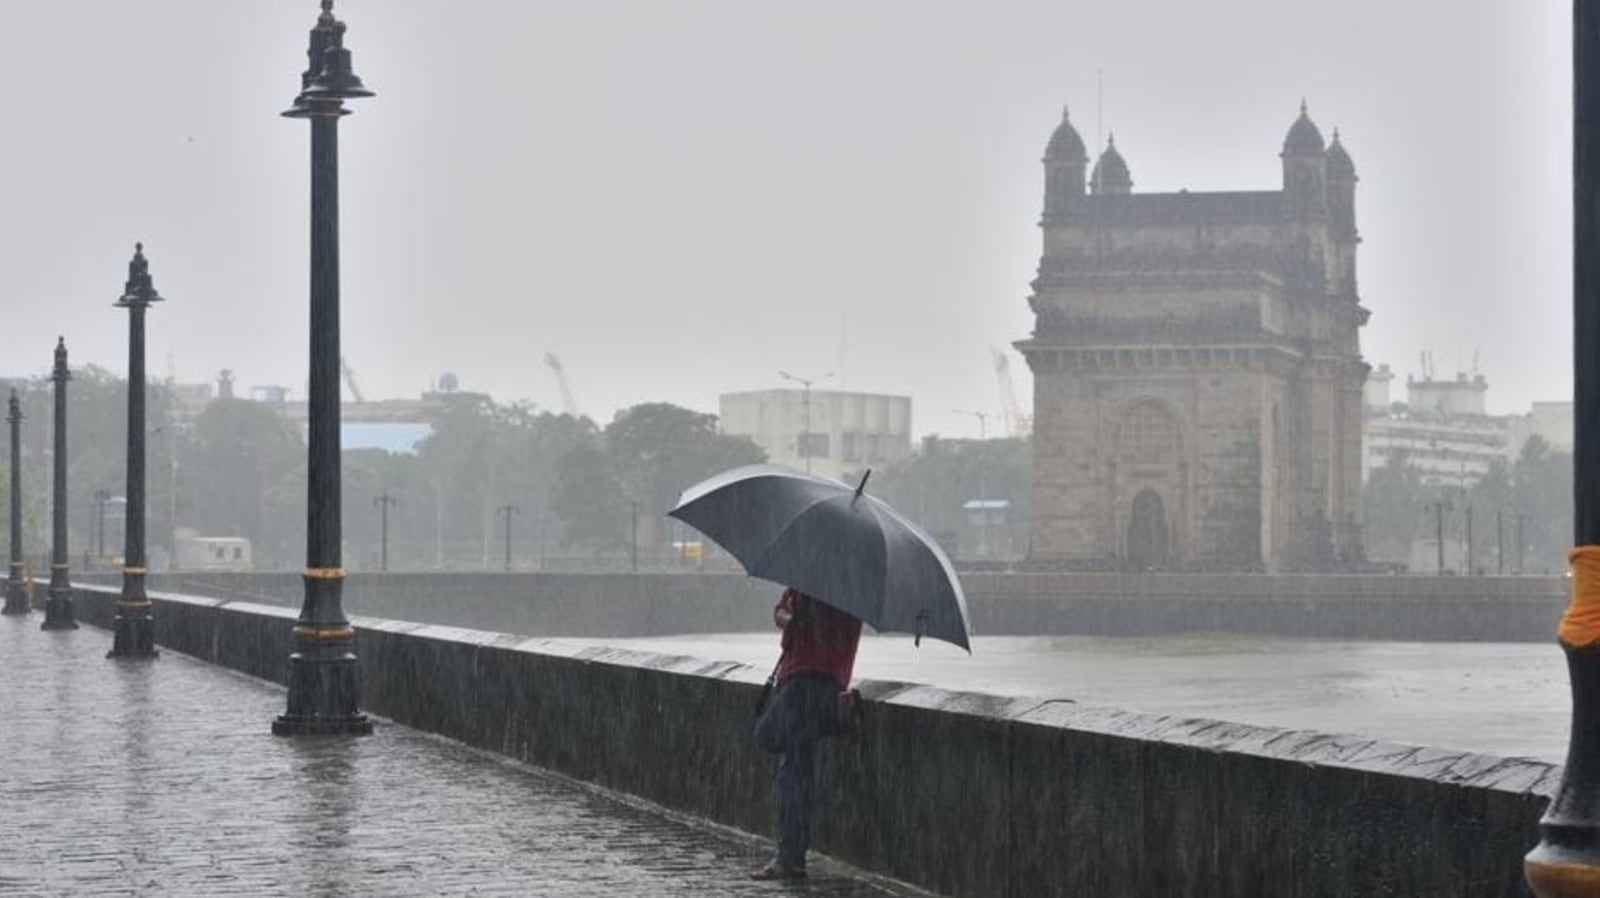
506	511
1567	860
322	669
135	624
16	588
58	608
383	501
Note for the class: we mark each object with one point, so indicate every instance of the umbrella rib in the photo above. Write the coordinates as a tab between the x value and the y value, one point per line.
777	535
888	564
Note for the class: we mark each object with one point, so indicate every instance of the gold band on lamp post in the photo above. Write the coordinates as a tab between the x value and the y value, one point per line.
325	634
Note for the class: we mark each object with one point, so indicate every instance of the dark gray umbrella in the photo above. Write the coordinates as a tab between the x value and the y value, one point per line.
832	542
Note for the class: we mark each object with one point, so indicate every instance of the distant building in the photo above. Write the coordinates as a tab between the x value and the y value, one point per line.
1197	368
212	553
1441	430
1376	394
189	400
840	433
1550	421
393	425
985	530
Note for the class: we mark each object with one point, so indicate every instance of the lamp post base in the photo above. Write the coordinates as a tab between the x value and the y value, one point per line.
135	633
322	694
58	610
16	599
58	614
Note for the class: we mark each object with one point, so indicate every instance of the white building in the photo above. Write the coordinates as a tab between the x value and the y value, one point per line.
1442	429
1550	420
838	433
212	553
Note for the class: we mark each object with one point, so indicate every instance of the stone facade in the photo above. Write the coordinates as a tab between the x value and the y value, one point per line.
1197	369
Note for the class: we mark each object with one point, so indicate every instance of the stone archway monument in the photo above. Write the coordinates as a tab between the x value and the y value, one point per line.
1226	321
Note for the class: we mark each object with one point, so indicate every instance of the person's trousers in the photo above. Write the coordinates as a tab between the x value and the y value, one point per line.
803	709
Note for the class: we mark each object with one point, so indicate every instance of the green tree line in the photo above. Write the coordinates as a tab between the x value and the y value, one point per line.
238	468
1521	512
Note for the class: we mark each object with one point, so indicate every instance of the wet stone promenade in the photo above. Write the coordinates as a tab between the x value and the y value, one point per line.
162	779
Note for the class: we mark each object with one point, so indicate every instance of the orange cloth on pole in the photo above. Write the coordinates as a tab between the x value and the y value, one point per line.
1580	625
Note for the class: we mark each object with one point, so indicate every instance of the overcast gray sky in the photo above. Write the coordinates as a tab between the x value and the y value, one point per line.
681	197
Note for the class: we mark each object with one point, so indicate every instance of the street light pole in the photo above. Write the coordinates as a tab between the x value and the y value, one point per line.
804	444
172	490
16	588
438	527
506	511
135	621
322	669
1500	541
1566	861
633	536
1518	518
383	501
58	607
983	488
1439	508
100	497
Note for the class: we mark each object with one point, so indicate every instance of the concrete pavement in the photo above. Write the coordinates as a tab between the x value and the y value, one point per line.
161	778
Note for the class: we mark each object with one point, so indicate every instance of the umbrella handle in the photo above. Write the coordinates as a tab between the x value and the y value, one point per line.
922	619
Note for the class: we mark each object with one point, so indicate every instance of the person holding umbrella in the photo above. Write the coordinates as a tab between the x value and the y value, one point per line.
845	558
812	701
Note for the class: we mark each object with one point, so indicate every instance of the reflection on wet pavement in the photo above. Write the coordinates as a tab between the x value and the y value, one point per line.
161	778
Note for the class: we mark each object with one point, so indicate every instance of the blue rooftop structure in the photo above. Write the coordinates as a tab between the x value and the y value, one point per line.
389	436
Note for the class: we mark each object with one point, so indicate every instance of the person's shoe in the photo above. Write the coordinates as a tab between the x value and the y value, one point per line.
776	870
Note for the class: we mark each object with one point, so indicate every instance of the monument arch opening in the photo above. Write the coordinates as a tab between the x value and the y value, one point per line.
1148	539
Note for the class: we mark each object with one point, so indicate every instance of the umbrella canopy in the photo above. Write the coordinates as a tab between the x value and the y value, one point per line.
832	542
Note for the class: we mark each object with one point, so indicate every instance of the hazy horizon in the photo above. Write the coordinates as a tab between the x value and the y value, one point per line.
682	199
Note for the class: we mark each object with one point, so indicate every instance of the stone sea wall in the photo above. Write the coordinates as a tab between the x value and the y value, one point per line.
966	794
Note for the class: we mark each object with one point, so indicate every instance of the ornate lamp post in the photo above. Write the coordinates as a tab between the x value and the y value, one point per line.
58	608
1566	863
135	624
322	669
16	589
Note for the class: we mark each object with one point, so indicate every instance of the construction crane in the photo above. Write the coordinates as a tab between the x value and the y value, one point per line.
1017	424
350	380
568	404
